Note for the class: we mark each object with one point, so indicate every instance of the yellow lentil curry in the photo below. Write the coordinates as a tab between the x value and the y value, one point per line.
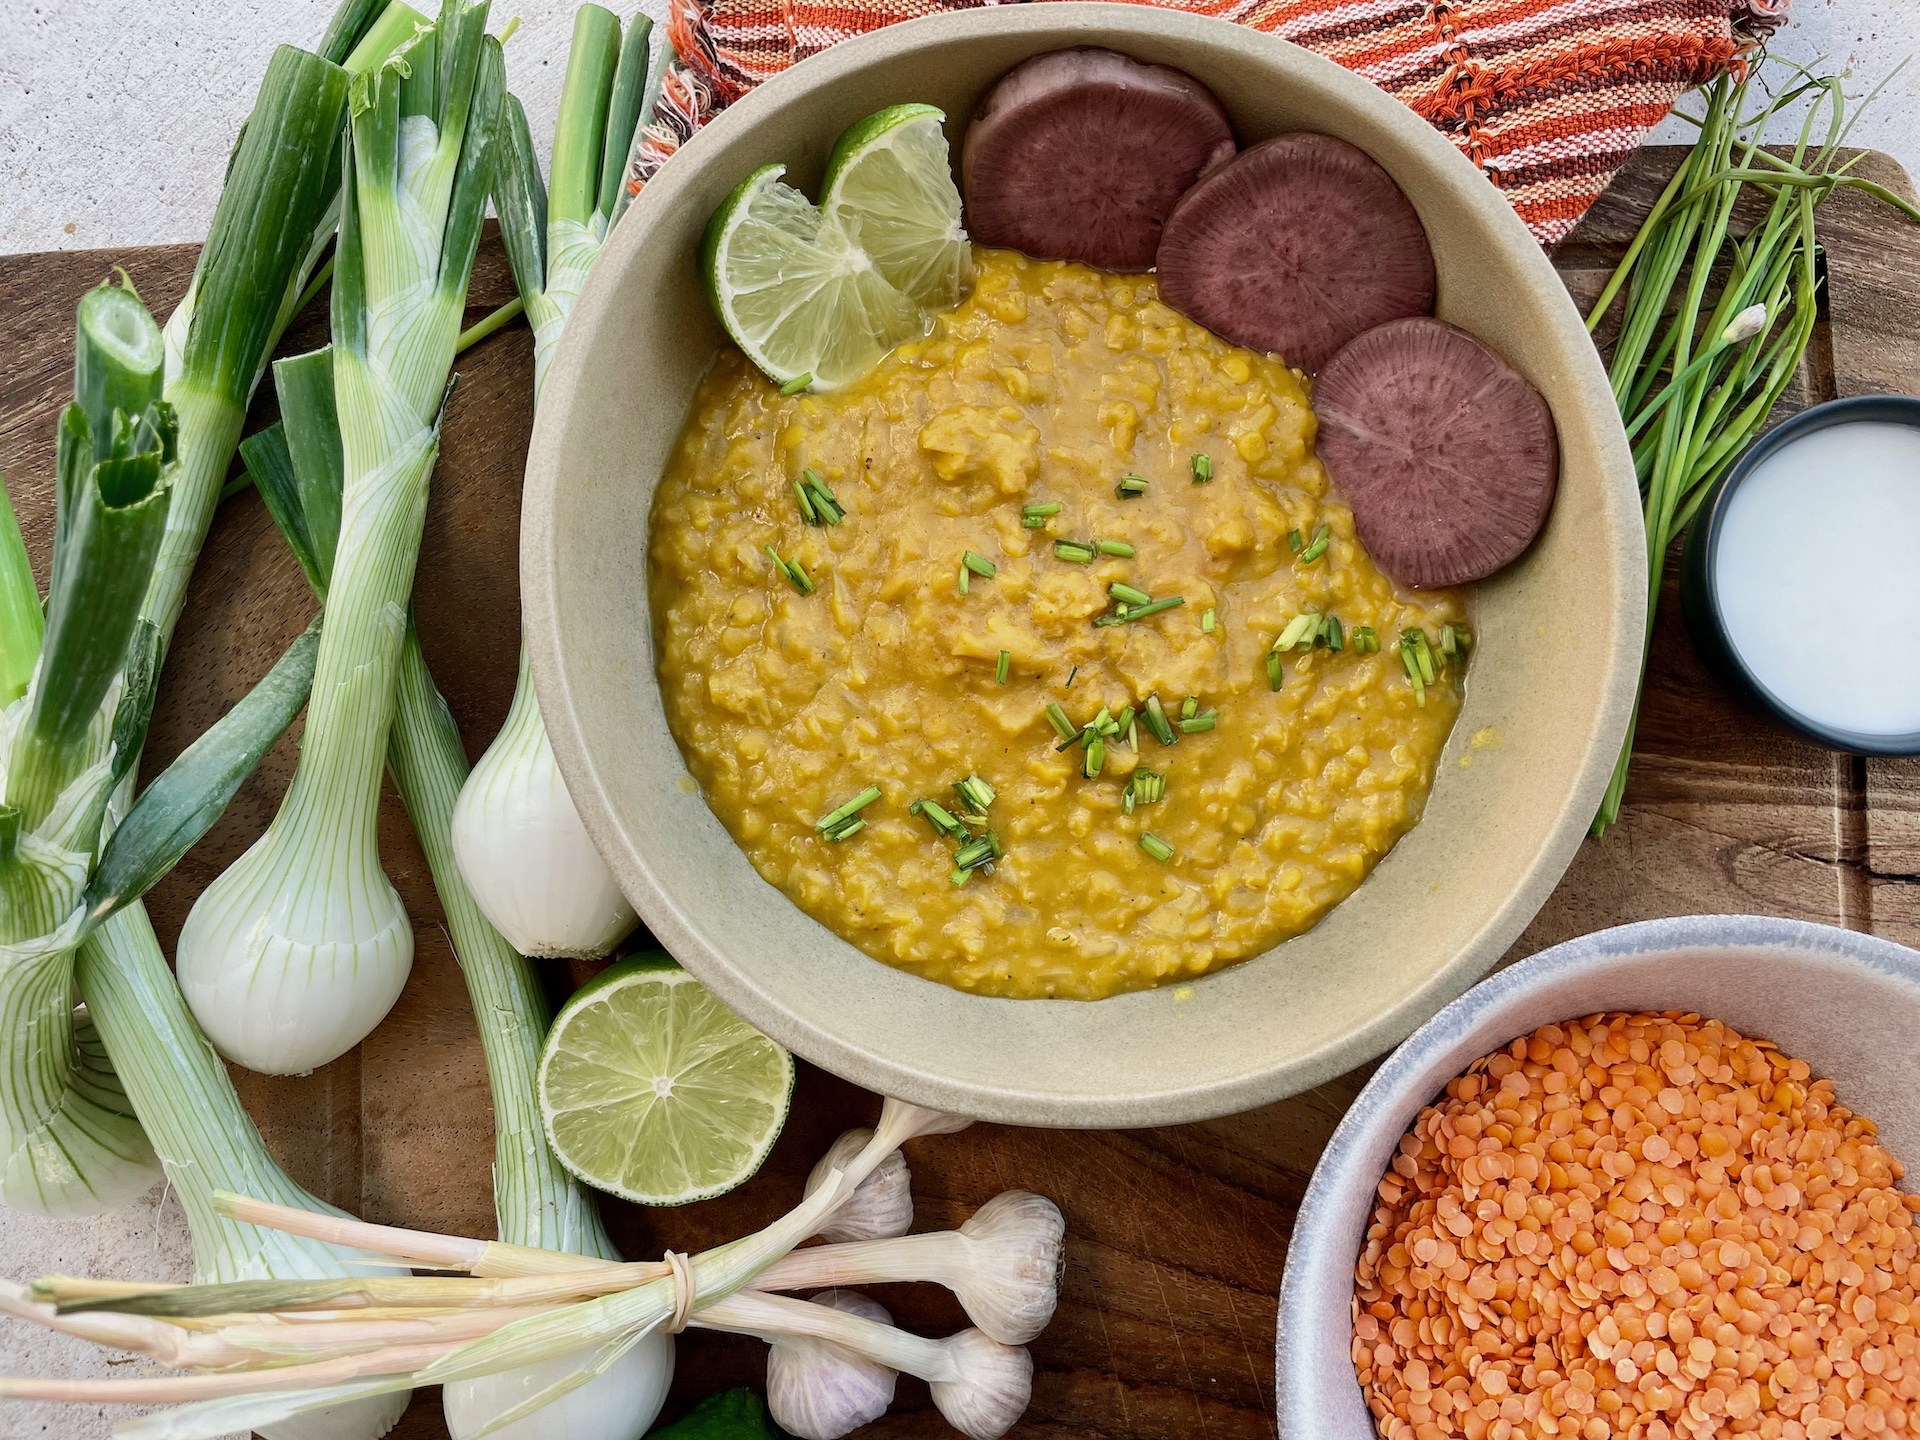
1049	386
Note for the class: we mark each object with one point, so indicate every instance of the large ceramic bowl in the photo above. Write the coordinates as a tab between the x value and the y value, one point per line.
1547	701
1847	1004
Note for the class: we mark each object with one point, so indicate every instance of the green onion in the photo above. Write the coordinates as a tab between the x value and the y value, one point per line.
1070	674
1294	541
1130	595
1095	757
797	384
1035	517
962	583
978	564
1202	466
1315	550
1275	671
1140	612
1364	641
1114	547
975	792
1455	640
1062	726
1206	621
1124	721
792	569
807	512
958	877
1073	551
1156	847
1157	722
1189	707
1130	487
821	499
1144	787
1299	632
1417	660
845	830
981	851
838	816
1331	634
1194	724
941	819
1004	667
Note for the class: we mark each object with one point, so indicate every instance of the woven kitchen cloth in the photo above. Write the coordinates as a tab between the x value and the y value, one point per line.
1547	97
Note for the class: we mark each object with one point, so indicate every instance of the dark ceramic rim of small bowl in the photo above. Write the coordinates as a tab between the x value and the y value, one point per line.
1699	589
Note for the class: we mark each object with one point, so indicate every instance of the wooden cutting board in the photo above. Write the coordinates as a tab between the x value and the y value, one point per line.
1177	1236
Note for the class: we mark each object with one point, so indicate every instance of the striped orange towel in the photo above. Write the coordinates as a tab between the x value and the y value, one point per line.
1547	97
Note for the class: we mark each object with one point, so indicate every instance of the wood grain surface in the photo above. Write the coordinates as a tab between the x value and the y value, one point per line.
1177	1236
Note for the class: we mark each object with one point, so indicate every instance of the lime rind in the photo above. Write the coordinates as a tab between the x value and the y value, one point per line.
889	185
615	1126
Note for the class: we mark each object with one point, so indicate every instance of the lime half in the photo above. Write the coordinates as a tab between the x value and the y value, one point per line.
889	186
799	297
652	1090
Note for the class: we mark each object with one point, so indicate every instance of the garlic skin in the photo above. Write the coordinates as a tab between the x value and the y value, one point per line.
1009	1281
989	1388
620	1403
881	1207
818	1390
523	852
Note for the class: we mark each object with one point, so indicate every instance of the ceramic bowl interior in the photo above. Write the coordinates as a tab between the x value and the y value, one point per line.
1557	655
1848	1004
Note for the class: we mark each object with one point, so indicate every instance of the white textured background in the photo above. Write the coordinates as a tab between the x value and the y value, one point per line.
115	121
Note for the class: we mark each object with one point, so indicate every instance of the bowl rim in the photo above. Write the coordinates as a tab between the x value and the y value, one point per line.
1307	1262
1068	22
1700	573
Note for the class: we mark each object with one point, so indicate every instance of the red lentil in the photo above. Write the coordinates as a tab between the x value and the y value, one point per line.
1641	1227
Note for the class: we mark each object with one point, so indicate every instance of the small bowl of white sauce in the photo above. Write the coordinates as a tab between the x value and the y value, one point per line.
1801	581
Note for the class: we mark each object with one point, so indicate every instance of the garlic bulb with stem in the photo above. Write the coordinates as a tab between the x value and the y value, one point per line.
820	1390
980	1385
880	1207
1004	1264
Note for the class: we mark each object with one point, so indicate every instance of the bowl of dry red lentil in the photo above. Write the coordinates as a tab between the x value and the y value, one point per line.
1647	1183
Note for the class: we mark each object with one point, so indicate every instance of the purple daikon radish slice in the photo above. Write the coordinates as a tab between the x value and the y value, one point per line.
1294	247
1445	452
1081	154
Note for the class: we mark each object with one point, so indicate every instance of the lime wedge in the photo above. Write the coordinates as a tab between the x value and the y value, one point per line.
889	186
652	1090
799	297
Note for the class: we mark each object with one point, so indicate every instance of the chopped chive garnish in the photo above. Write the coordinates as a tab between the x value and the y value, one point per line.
825	505
1130	595
1123	723
1130	487
1455	640
1299	632
1206	621
942	820
797	384
1157	722
1189	707
1423	655
1331	633
1073	551
1363	640
834	819
1145	787
795	572
977	793
1035	517
1070	674
1096	756
960	877
807	512
1114	547
1140	612
1101	724
1194	724
1294	542
1001	670
1274	671
1133	736
975	852
978	564
1156	847
1062	726
1202	466
1313	552
845	830
964	581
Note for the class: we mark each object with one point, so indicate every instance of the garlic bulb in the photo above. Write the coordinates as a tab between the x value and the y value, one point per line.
989	1386
818	1390
882	1206
621	1403
524	853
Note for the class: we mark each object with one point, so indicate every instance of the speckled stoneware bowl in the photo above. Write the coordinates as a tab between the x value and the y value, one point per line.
1548	698
1847	1004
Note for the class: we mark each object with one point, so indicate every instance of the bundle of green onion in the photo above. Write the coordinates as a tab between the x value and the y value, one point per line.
1696	379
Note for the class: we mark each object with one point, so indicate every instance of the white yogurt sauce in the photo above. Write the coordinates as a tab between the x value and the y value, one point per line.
1819	576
